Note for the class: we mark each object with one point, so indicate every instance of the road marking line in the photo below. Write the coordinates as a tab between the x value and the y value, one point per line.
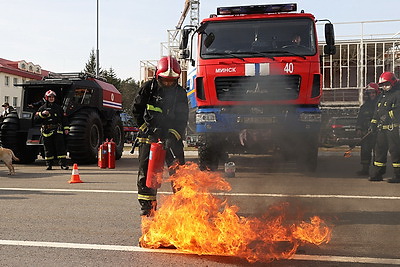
219	194
174	251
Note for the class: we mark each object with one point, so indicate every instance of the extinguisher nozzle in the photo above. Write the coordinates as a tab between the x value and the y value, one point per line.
172	153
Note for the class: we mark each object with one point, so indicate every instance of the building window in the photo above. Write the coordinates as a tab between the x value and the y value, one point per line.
7	81
23	80
6	99
15	101
15	81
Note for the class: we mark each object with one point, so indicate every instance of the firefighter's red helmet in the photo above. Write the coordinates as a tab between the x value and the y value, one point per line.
372	87
168	67
49	93
387	77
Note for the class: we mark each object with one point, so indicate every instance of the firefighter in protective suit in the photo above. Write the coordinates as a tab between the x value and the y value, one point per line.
54	126
161	110
364	117
385	123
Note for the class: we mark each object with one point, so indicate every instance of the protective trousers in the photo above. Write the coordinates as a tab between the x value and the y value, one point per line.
54	148
147	195
367	146
387	140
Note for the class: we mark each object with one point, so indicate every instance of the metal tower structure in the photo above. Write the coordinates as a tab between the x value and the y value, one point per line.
171	46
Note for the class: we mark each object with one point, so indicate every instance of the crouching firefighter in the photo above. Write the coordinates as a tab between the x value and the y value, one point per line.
54	126
161	111
385	123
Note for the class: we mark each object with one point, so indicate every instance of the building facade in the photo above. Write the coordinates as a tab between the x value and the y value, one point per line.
13	73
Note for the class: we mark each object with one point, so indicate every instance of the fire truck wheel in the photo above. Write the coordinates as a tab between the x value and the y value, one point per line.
209	154
85	136
308	159
114	130
8	133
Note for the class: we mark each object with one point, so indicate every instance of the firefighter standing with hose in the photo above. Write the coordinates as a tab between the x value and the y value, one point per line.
161	110
363	121
385	123
54	126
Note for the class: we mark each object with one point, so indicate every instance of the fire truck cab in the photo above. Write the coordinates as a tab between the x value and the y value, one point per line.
256	85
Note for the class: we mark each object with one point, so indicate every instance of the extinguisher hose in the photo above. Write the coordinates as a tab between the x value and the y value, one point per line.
172	153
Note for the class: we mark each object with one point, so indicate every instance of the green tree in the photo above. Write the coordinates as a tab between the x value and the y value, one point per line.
91	65
129	89
111	77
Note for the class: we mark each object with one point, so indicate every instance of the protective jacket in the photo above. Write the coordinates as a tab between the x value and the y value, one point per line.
387	112
160	111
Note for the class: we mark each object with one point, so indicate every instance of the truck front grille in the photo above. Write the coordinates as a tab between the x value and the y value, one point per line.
257	88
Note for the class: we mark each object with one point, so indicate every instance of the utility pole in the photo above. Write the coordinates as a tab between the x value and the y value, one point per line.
97	50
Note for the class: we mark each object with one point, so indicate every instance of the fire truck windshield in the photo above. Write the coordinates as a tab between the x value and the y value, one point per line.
262	38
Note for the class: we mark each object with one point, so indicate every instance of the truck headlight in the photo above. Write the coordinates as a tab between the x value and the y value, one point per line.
310	117
27	115
205	117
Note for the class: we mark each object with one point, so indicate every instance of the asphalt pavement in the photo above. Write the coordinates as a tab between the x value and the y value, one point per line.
47	221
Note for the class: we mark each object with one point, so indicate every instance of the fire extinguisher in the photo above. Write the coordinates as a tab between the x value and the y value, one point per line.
103	155
156	165
111	154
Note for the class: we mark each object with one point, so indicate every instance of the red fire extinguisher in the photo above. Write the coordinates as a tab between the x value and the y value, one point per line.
156	165
111	154
103	155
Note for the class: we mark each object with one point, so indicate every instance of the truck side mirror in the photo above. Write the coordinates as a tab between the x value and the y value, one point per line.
329	48
185	39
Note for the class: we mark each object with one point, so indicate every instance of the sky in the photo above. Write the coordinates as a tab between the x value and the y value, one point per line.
59	35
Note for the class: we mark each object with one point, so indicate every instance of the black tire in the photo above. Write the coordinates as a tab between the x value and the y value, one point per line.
85	137
8	133
210	152
307	160
115	131
16	141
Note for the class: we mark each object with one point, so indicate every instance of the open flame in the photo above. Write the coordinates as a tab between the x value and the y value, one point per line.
195	221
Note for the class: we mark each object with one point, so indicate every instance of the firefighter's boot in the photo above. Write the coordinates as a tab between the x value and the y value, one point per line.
147	207
396	176
377	173
63	163
49	165
364	170
376	178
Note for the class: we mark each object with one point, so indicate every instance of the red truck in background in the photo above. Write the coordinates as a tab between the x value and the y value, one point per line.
256	85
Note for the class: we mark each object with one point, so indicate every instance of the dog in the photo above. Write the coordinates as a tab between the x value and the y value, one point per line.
7	156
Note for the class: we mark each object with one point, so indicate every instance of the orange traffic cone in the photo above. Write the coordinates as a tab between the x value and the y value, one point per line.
75	175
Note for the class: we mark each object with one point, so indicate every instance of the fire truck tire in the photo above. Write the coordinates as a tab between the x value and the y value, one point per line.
209	153
308	159
115	130
85	137
11	138
8	133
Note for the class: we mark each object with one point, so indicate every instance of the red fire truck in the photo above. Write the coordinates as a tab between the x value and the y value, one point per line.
256	86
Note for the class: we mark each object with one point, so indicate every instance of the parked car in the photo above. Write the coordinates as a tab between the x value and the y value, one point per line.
130	128
339	131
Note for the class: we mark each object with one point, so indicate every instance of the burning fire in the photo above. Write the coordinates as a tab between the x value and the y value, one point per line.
195	221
